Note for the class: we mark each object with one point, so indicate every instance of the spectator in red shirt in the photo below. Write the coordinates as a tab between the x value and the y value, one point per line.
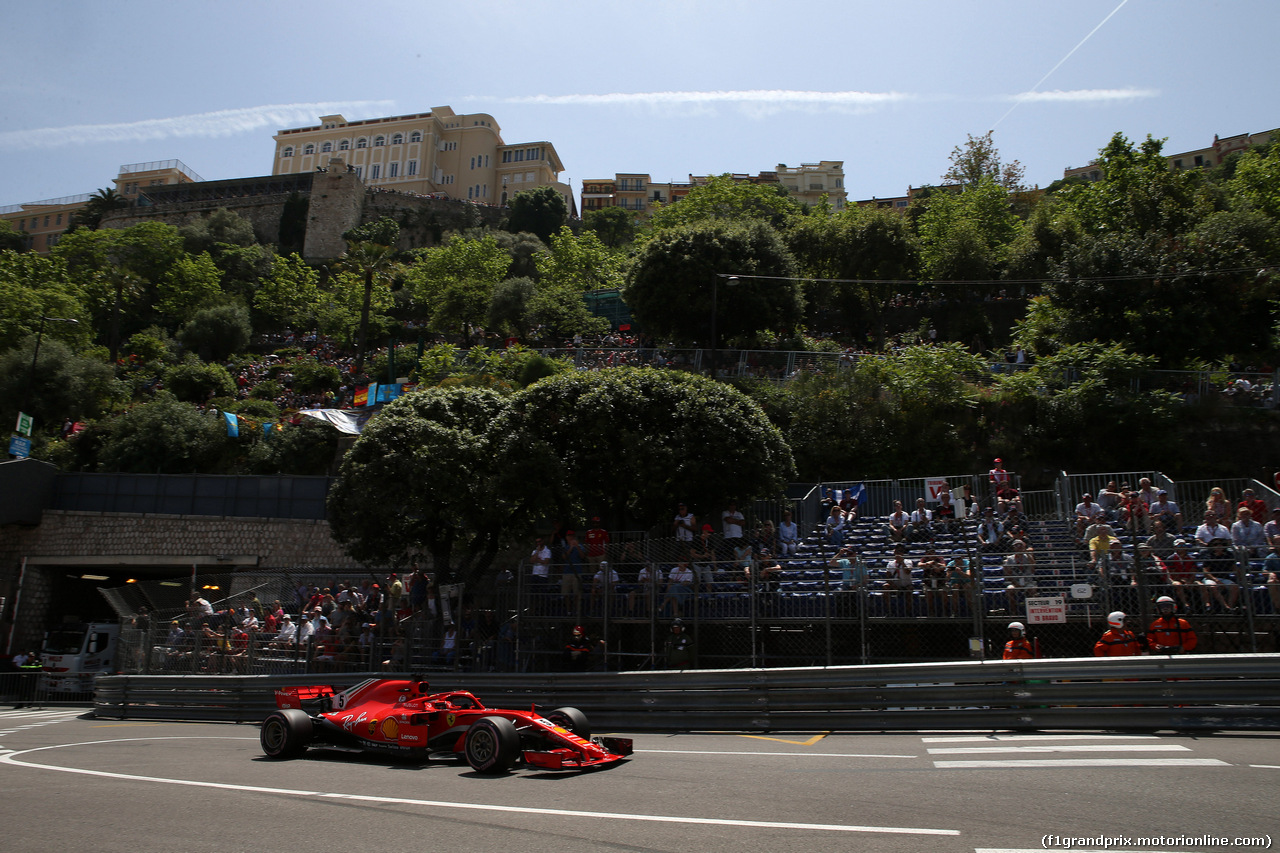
596	539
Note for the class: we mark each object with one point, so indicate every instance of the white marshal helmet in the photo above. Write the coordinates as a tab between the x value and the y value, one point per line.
1116	619
1017	625
1164	599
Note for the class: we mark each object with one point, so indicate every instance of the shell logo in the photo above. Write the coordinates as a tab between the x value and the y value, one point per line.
390	728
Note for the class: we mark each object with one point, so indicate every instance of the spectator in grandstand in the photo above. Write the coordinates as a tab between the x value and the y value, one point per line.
1150	572
992	537
897	524
1086	510
1271	530
1134	513
1182	568
967	505
1146	491
998	476
1218	506
1218	571
447	654
604	586
1008	499
933	578
649	581
1111	563
834	527
1211	529
684	524
596	541
944	514
286	635
959	579
1271	576
852	573
1256	505
1019	571
765	539
1247	533
1109	499
1169	634
702	555
731	523
921	522
1161	541
575	558
1164	510
395	592
898	578
788	535
849	504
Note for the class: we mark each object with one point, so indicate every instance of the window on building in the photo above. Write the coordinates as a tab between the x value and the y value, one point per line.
362	142
375	171
393	170
416	136
397	139
379	141
413	167
533	153
287	152
506	156
59	222
309	148
344	145
473	162
326	147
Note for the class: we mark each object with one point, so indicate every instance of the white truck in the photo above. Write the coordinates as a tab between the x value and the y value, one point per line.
73	654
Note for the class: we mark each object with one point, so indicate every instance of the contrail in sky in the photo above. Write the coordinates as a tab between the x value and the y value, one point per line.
213	124
1059	65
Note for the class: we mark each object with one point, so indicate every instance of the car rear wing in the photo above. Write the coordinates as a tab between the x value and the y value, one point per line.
316	697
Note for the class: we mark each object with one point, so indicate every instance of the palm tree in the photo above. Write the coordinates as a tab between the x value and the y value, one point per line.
99	204
369	251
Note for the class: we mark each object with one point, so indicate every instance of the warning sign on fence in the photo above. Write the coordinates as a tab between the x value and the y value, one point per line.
1046	609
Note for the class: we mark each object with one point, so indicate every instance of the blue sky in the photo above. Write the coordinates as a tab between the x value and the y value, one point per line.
668	88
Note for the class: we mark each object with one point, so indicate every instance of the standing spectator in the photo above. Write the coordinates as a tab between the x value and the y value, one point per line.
679	588
703	556
1019	575
677	651
596	540
1117	641
933	577
575	557
999	476
732	521
898	580
395	592
684	524
959	579
604	585
1169	634
1182	572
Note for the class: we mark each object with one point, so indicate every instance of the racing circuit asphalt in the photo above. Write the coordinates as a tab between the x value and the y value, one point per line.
69	781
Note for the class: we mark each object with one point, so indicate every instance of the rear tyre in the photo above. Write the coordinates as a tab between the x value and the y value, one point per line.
573	720
492	745
286	733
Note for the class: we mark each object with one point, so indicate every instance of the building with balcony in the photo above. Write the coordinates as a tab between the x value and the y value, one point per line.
437	153
1201	158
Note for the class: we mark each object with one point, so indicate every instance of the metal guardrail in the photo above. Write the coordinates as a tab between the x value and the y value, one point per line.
1184	693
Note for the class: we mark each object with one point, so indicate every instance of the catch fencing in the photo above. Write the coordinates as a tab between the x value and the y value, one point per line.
1147	693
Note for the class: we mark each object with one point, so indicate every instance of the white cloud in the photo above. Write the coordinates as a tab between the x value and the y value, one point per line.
755	101
212	124
1083	95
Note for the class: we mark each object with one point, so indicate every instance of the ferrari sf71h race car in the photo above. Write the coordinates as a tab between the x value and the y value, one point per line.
399	717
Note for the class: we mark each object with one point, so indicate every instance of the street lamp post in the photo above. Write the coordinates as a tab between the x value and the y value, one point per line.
731	281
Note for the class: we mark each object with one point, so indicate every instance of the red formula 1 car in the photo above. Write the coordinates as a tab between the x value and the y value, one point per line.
400	717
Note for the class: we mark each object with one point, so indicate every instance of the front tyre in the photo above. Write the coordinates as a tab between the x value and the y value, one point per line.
573	720
492	745
286	733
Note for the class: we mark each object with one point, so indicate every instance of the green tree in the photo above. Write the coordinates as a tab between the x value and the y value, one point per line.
307	449
579	263
669	287
540	211
509	306
978	158
11	239
216	333
370	249
724	198
162	437
1256	182
34	286
288	297
222	226
454	283
99	205
194	381
614	226
64	385
191	283
966	236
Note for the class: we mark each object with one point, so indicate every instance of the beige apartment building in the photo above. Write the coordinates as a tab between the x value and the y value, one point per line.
43	222
438	153
1202	158
638	192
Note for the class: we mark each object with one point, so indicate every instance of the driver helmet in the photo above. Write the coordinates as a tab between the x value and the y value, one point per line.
1116	619
577	631
1017	626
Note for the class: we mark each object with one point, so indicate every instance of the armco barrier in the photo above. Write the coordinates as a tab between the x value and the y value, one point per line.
1210	692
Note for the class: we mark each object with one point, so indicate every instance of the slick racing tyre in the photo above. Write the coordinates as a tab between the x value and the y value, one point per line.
286	733
573	720
492	745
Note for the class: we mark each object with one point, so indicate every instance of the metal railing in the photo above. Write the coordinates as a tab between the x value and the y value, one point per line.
1182	693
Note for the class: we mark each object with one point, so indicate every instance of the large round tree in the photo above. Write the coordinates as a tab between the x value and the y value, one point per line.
672	283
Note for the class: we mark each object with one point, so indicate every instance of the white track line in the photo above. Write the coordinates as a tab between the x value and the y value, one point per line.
14	759
1062	747
1003	738
785	754
1025	763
